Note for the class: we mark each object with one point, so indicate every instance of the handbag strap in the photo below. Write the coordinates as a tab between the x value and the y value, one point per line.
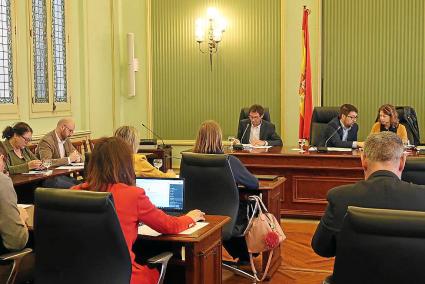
259	201
251	260
257	208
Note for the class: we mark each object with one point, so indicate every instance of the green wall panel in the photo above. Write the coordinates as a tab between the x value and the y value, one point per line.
373	53
246	69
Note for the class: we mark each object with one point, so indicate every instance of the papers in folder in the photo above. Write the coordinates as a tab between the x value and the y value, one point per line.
145	230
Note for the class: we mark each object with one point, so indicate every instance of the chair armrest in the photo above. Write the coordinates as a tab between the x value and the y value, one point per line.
160	258
14	255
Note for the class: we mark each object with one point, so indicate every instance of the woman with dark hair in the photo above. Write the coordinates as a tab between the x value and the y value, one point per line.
209	141
19	158
112	171
388	121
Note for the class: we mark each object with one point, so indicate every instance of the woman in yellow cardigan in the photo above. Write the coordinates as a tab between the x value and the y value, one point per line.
388	121
142	167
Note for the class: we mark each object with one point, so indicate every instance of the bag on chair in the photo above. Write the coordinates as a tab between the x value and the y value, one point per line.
263	232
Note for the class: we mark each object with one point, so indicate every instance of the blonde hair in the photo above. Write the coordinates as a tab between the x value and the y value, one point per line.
130	135
209	138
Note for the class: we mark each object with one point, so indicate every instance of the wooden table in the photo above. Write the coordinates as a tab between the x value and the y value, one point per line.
161	152
309	175
271	195
25	185
202	261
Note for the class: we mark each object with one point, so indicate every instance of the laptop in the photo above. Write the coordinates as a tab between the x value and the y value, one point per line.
165	193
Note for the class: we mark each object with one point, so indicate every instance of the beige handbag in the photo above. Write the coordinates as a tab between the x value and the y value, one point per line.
263	232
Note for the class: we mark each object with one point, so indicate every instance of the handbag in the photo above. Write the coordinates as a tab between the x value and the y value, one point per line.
263	232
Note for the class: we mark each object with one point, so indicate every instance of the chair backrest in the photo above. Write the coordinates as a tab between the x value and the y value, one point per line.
81	146
414	171
319	121
93	142
32	148
407	117
380	246
245	114
79	238
210	186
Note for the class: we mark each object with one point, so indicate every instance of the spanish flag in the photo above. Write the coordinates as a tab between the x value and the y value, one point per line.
306	101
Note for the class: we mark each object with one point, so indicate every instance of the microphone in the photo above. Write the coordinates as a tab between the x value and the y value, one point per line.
154	134
325	148
240	146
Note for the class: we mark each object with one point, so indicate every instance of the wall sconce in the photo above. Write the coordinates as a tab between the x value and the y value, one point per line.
133	65
213	28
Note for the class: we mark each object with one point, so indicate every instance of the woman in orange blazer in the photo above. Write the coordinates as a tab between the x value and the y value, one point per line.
388	121
112	170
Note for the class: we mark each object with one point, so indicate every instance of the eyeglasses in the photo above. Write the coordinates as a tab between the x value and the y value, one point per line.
27	140
254	117
352	117
69	129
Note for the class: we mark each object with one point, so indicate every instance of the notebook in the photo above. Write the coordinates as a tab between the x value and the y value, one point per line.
266	177
165	193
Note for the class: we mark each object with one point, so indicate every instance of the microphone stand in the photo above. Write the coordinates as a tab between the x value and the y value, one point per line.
325	148
154	134
240	146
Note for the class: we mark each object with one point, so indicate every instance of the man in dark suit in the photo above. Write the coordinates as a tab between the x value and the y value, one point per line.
342	130
256	131
383	161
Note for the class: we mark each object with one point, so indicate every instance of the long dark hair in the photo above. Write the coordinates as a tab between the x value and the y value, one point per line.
20	128
111	162
391	112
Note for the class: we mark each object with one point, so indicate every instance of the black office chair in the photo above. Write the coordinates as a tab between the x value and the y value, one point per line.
380	246
210	186
9	263
245	114
319	121
407	117
79	239
414	171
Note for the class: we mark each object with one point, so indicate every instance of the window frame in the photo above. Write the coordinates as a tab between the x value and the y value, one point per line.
51	108
11	110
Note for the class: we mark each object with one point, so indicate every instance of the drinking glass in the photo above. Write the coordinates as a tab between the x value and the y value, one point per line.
47	163
301	144
406	143
157	163
231	139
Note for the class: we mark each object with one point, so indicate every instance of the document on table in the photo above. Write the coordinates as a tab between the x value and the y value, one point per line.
333	149
145	230
72	166
336	149
46	173
248	146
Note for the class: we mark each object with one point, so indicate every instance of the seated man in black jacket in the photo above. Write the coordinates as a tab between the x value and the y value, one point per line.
383	161
256	131
342	130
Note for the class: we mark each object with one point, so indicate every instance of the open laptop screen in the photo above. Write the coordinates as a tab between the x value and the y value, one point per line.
165	193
